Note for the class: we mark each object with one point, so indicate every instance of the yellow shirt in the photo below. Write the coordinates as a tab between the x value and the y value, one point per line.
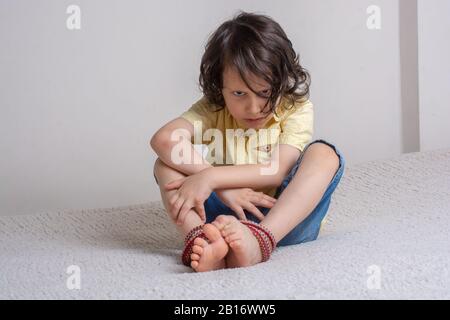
238	145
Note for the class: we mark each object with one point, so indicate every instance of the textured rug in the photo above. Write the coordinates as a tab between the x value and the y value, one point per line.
387	236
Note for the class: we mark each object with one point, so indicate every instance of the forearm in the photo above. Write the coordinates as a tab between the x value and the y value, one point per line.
194	164
253	176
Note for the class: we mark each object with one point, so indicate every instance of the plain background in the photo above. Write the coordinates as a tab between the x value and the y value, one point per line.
78	107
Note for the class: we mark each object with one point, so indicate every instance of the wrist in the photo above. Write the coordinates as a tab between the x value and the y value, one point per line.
211	176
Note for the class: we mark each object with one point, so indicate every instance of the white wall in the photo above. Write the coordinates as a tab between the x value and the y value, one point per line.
434	73
356	75
78	107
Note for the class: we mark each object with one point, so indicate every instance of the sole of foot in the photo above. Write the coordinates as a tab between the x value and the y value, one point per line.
209	256
244	248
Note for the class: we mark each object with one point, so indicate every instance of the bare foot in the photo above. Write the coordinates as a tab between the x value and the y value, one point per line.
209	256
245	250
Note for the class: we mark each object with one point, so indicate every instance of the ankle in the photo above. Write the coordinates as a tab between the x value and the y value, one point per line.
191	221
264	237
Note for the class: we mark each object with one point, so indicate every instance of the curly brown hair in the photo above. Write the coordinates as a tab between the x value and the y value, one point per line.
254	44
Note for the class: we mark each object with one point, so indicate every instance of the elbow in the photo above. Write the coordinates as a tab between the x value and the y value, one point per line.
158	141
153	142
163	139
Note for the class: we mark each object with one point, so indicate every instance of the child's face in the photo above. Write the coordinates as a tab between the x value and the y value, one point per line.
244	105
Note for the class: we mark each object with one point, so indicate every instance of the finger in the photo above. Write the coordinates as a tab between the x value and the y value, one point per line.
201	212
175	184
173	198
263	203
261	200
262	195
183	212
250	207
176	208
269	198
239	212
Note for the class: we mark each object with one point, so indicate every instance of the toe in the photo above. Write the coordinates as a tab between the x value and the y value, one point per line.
220	222
233	237
216	224
223	222
197	249
194	264
226	232
200	242
229	219
236	244
195	256
225	219
211	232
231	227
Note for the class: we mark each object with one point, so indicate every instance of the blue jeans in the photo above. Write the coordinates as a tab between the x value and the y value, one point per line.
308	229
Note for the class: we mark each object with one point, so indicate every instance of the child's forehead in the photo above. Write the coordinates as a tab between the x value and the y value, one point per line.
232	78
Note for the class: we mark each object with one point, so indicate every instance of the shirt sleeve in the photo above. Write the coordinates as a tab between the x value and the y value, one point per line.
203	112
298	126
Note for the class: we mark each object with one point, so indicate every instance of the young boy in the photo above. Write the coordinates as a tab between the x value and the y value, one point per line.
254	90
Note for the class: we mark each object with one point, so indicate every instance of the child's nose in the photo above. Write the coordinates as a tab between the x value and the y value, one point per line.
254	107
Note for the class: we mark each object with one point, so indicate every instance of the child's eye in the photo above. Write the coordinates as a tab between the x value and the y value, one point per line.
240	94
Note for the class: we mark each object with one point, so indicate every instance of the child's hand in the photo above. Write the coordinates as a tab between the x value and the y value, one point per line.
245	198
192	193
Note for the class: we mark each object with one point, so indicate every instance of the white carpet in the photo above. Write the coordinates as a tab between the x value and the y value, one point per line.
390	216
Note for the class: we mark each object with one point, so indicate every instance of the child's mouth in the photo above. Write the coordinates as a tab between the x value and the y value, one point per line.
257	120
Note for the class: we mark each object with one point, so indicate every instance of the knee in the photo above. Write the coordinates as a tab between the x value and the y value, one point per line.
325	153
161	170
158	167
